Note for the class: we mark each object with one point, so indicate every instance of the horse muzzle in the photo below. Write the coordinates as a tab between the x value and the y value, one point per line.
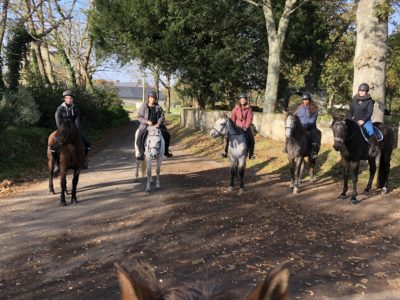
213	133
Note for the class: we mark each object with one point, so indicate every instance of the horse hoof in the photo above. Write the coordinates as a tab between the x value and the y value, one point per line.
342	197
52	192
366	192
147	191
63	203
241	191
314	179
384	191
158	188
354	201
230	189
74	201
295	190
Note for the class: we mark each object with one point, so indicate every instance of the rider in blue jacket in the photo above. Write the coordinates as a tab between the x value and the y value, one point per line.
361	110
308	114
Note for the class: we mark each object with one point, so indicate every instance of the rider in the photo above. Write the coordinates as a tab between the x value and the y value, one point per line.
361	110
308	114
151	113
242	116
67	111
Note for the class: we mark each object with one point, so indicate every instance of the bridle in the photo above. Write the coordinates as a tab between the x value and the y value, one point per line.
157	145
220	132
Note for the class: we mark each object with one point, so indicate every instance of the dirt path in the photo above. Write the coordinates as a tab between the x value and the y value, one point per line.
194	229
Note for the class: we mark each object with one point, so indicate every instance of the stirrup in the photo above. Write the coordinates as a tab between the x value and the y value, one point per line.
252	157
314	155
168	154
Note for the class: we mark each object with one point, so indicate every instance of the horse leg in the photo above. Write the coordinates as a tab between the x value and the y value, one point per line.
148	164
233	174
312	170
51	186
291	173
354	166
372	170
299	162
346	170
74	185
63	179
159	160
242	168
137	170
301	172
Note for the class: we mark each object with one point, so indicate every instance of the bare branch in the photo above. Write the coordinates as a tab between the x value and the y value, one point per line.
259	5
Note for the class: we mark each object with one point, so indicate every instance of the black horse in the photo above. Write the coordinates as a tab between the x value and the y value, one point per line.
349	140
298	146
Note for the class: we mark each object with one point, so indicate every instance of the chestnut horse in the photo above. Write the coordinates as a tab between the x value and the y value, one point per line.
142	285
71	156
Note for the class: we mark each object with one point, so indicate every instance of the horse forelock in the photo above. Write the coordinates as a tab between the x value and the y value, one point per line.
198	291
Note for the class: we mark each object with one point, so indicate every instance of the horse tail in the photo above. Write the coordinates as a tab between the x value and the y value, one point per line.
143	164
386	153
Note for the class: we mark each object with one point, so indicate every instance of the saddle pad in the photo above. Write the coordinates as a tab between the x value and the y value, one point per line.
377	133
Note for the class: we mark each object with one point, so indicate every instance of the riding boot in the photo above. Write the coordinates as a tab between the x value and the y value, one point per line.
374	148
314	151
251	143
54	157
224	152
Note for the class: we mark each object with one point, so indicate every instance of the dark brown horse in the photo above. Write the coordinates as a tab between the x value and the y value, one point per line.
72	156
142	285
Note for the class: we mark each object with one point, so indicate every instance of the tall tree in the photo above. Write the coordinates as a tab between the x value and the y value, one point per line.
371	51
276	37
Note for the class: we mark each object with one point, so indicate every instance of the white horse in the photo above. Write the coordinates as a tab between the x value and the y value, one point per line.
237	150
154	147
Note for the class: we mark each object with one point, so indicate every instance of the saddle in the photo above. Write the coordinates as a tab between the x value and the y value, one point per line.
377	132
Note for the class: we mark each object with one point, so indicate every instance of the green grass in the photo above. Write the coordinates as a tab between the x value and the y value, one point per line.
269	155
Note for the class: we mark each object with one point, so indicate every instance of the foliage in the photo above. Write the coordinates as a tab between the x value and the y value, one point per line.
393	72
16	50
21	149
18	109
216	48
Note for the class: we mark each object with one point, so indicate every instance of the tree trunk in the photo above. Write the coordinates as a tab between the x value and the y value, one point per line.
275	45
3	24
66	61
370	54
169	94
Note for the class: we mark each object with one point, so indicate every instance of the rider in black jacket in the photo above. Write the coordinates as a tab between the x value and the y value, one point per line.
67	111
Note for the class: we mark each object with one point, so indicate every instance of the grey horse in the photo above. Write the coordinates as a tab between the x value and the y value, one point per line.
154	149
237	150
298	147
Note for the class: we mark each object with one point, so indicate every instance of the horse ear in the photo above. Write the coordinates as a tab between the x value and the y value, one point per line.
275	286
285	112
131	289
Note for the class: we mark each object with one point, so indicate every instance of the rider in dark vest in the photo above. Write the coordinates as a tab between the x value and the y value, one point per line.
151	113
242	116
308	114
67	111
361	110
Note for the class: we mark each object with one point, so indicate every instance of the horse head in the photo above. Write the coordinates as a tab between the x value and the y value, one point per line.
143	285
153	144
220	127
339	128
68	132
291	123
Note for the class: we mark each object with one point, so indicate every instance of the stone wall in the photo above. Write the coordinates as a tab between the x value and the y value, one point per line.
268	125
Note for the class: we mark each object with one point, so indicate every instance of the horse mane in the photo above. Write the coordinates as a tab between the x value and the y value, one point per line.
234	127
68	132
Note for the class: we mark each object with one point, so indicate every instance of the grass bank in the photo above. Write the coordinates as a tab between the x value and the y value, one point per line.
269	155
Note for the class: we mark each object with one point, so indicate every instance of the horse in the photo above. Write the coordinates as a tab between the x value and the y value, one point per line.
72	156
349	140
237	150
142	285
154	148
298	147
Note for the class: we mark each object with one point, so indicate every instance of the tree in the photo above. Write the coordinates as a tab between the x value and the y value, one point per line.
276	37
371	51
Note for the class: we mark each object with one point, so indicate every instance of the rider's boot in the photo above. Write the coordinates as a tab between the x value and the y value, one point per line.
374	148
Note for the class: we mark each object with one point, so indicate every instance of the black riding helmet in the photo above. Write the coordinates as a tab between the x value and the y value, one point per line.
306	96
363	87
68	93
242	96
152	94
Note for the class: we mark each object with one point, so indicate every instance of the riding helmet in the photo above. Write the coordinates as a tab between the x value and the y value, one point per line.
242	96
363	87
152	94
68	93
305	96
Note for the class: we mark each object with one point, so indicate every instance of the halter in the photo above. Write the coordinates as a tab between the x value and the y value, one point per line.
222	129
